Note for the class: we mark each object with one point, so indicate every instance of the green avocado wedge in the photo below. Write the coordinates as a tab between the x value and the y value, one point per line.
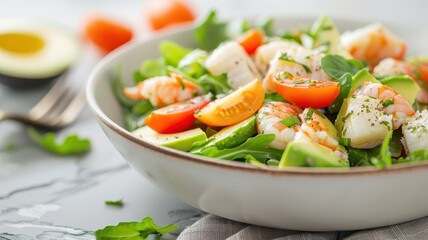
326	37
231	136
405	86
181	141
310	154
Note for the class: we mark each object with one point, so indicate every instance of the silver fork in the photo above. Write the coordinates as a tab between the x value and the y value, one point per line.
57	109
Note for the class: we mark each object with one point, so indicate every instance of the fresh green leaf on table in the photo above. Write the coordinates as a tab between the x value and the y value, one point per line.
133	230
256	146
71	145
116	203
8	146
210	33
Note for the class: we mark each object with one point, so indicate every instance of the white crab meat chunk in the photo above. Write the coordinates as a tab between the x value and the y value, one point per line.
266	52
415	132
231	58
373	43
365	123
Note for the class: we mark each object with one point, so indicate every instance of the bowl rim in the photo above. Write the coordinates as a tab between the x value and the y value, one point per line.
218	163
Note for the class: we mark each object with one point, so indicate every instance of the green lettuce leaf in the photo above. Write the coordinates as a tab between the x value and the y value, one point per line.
210	33
172	52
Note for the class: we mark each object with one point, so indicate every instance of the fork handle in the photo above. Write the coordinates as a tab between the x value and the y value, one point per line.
21	118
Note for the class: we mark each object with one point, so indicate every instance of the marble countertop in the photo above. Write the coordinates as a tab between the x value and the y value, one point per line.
43	196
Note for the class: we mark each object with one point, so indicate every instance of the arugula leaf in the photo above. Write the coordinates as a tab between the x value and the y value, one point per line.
173	52
336	66
256	146
267	25
273	97
118	90
383	160
358	157
71	145
345	83
416	156
151	68
116	203
208	82
210	33
142	107
133	230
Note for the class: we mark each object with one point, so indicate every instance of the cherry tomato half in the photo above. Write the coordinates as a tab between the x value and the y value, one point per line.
235	107
177	117
306	92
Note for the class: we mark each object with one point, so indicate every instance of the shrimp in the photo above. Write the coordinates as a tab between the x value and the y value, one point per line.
231	58
317	128
266	52
298	61
269	122
373	43
394	104
163	90
392	67
415	132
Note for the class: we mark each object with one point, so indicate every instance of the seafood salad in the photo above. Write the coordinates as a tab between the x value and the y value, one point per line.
304	97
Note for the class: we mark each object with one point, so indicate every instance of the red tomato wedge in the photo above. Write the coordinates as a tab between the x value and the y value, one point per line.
107	34
177	117
251	40
164	13
235	107
306	93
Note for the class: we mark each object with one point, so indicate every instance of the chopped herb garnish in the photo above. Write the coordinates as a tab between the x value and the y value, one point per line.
309	114
388	102
386	123
283	75
291	121
345	141
116	203
298	81
347	116
285	57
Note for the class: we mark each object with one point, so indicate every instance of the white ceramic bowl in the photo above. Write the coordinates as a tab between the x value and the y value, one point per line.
300	199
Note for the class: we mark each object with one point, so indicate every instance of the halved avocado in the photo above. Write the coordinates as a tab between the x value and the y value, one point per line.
310	154
32	53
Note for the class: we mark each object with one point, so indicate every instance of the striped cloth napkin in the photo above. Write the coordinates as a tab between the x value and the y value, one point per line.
211	227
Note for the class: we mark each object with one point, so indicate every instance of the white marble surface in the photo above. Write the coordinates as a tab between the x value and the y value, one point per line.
43	196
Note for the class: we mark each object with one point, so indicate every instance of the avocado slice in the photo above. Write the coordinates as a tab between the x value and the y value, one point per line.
310	154
405	86
326	35
181	141
231	136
